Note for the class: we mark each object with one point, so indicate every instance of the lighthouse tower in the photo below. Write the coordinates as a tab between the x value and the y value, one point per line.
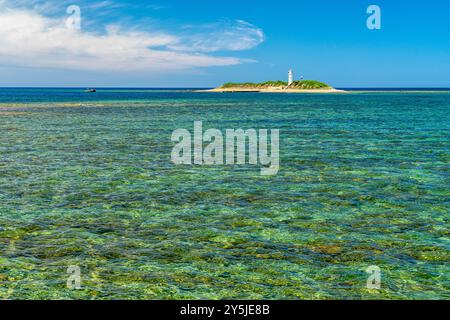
290	77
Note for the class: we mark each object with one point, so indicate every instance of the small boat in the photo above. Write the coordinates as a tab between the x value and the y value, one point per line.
90	90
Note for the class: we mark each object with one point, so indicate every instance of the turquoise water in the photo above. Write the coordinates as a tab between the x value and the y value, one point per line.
86	180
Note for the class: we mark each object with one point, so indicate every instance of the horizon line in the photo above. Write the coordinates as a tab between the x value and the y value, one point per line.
210	87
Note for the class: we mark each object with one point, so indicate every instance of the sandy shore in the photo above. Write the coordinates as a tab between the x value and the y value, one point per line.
273	90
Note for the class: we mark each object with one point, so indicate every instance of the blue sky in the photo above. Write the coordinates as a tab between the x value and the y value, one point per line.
205	43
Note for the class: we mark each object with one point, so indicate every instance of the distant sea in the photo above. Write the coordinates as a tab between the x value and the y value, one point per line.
409	89
27	95
86	180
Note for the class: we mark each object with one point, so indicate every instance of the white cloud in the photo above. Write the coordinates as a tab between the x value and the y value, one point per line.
224	36
30	39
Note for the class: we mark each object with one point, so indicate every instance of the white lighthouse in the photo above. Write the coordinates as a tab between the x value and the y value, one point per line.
290	77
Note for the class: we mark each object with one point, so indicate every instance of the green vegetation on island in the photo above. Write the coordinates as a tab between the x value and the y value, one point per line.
301	84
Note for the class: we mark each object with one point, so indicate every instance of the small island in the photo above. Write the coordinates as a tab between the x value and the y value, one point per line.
290	86
301	86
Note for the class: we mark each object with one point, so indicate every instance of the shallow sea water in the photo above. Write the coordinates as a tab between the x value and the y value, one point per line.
86	180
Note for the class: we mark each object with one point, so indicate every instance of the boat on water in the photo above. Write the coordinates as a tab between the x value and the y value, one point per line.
90	90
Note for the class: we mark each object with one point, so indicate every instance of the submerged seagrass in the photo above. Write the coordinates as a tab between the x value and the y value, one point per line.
86	179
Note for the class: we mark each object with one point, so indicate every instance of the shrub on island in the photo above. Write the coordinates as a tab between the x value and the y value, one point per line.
300	84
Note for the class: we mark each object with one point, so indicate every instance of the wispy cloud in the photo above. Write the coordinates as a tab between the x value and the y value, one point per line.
35	36
221	36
